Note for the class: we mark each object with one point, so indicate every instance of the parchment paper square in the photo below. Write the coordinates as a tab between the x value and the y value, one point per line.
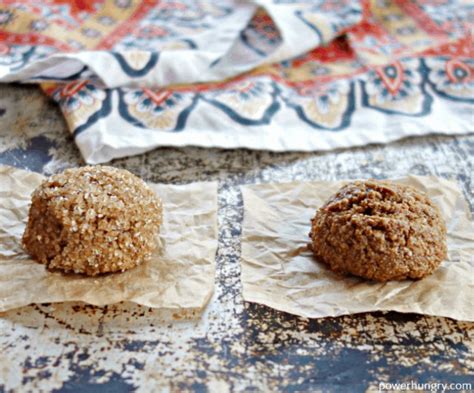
179	277
279	271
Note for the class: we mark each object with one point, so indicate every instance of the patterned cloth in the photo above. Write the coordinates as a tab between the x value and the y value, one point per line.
263	74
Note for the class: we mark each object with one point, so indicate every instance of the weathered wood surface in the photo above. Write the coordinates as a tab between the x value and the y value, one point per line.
234	346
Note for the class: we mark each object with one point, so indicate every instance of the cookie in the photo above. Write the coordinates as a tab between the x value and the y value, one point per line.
380	231
92	220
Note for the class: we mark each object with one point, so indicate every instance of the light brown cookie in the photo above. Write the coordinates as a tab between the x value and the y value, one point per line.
379	230
92	220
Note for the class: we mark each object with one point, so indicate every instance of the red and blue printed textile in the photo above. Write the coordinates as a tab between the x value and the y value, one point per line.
264	74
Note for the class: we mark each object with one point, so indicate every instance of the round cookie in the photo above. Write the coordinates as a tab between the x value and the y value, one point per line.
379	230
92	220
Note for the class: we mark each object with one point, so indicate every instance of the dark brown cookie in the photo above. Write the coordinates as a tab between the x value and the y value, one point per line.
379	230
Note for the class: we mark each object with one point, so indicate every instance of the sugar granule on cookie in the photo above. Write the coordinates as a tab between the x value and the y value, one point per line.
92	220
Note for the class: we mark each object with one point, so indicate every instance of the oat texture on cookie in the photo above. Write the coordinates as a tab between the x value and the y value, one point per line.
93	220
379	230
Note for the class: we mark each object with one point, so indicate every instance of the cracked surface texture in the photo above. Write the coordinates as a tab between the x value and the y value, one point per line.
379	230
233	346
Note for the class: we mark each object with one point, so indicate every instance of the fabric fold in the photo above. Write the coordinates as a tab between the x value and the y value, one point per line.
281	75
173	43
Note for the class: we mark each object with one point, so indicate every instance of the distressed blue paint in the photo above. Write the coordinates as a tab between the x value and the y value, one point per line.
33	158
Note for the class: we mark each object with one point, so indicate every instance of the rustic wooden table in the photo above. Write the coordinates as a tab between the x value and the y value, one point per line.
234	346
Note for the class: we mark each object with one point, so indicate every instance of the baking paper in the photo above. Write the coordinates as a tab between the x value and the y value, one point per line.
279	271
180	275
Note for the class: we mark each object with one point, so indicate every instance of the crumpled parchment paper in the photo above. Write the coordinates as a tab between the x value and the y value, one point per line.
179	277
279	271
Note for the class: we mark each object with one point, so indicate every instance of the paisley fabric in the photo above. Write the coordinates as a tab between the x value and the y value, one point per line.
280	75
